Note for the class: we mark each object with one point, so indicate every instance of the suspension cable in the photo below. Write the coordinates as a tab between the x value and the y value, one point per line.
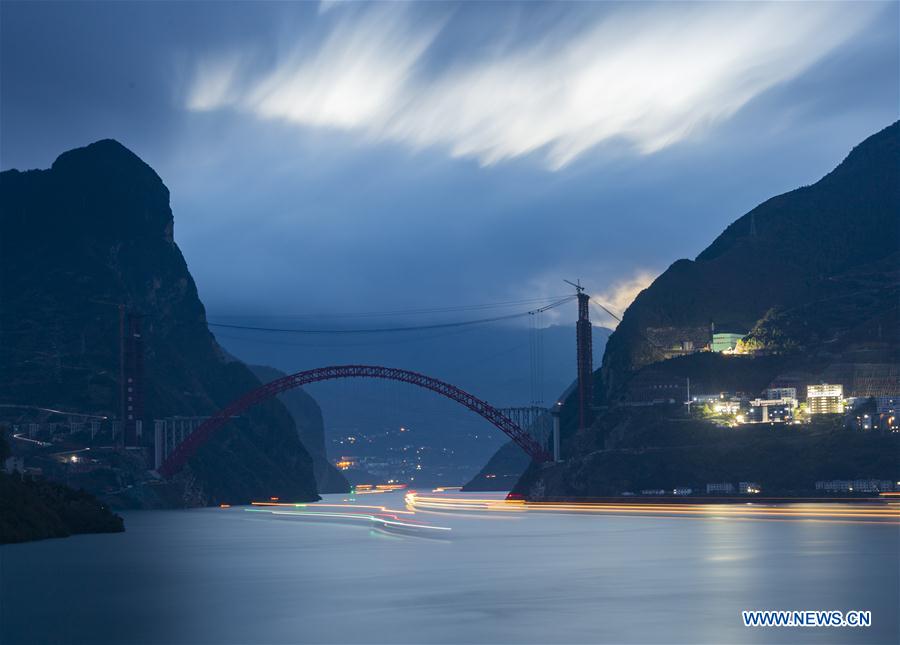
383	330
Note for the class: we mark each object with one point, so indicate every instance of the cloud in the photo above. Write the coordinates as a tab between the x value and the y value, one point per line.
643	76
618	298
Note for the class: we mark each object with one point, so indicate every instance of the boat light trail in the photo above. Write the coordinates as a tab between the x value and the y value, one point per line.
380	520
885	514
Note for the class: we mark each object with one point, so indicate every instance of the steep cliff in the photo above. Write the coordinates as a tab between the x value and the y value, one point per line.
811	280
310	427
95	231
808	247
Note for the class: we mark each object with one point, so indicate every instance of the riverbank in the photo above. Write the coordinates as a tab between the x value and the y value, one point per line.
36	509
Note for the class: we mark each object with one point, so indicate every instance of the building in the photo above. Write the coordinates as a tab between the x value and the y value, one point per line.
825	398
857	485
678	341
749	488
769	411
886	404
682	491
720	488
789	394
725	341
727	406
872	413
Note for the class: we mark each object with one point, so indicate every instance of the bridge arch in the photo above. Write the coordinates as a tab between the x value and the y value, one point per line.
179	457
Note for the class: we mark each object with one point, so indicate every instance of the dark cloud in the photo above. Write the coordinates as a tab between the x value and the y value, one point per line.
405	204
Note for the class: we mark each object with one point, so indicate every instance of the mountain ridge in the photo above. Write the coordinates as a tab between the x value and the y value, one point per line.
96	230
781	252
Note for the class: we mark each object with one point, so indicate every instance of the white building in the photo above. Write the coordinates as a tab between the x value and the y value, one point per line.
769	411
719	488
788	394
825	398
727	406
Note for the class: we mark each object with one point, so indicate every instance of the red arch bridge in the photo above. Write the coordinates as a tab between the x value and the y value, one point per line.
510	420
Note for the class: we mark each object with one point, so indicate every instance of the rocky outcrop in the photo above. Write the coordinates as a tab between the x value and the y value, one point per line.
95	231
811	280
310	428
794	250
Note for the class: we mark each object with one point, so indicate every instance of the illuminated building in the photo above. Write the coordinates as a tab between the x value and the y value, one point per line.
749	488
886	404
769	411
720	488
825	398
725	341
789	394
727	406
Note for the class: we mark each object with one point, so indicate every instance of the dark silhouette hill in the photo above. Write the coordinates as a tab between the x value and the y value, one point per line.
811	281
95	230
826	253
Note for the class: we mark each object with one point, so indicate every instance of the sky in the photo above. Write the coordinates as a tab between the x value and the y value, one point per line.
326	158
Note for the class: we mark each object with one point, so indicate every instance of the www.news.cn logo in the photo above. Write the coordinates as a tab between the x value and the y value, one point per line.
793	618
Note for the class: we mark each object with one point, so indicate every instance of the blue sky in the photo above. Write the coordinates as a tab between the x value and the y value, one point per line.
335	157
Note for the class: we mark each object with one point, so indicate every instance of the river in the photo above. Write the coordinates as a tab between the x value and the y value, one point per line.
473	574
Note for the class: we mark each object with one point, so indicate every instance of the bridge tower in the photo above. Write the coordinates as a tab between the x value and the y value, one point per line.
131	378
584	348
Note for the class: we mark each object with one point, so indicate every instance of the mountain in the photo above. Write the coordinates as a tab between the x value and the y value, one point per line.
502	470
95	231
809	282
832	246
308	418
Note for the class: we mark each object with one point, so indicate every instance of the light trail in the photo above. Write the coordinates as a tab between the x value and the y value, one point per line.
54	411
879	513
382	509
19	436
385	518
459	506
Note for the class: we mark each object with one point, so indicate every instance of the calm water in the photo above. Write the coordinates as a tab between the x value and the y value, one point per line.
232	576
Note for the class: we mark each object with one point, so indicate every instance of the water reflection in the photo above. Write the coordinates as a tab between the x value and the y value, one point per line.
282	574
